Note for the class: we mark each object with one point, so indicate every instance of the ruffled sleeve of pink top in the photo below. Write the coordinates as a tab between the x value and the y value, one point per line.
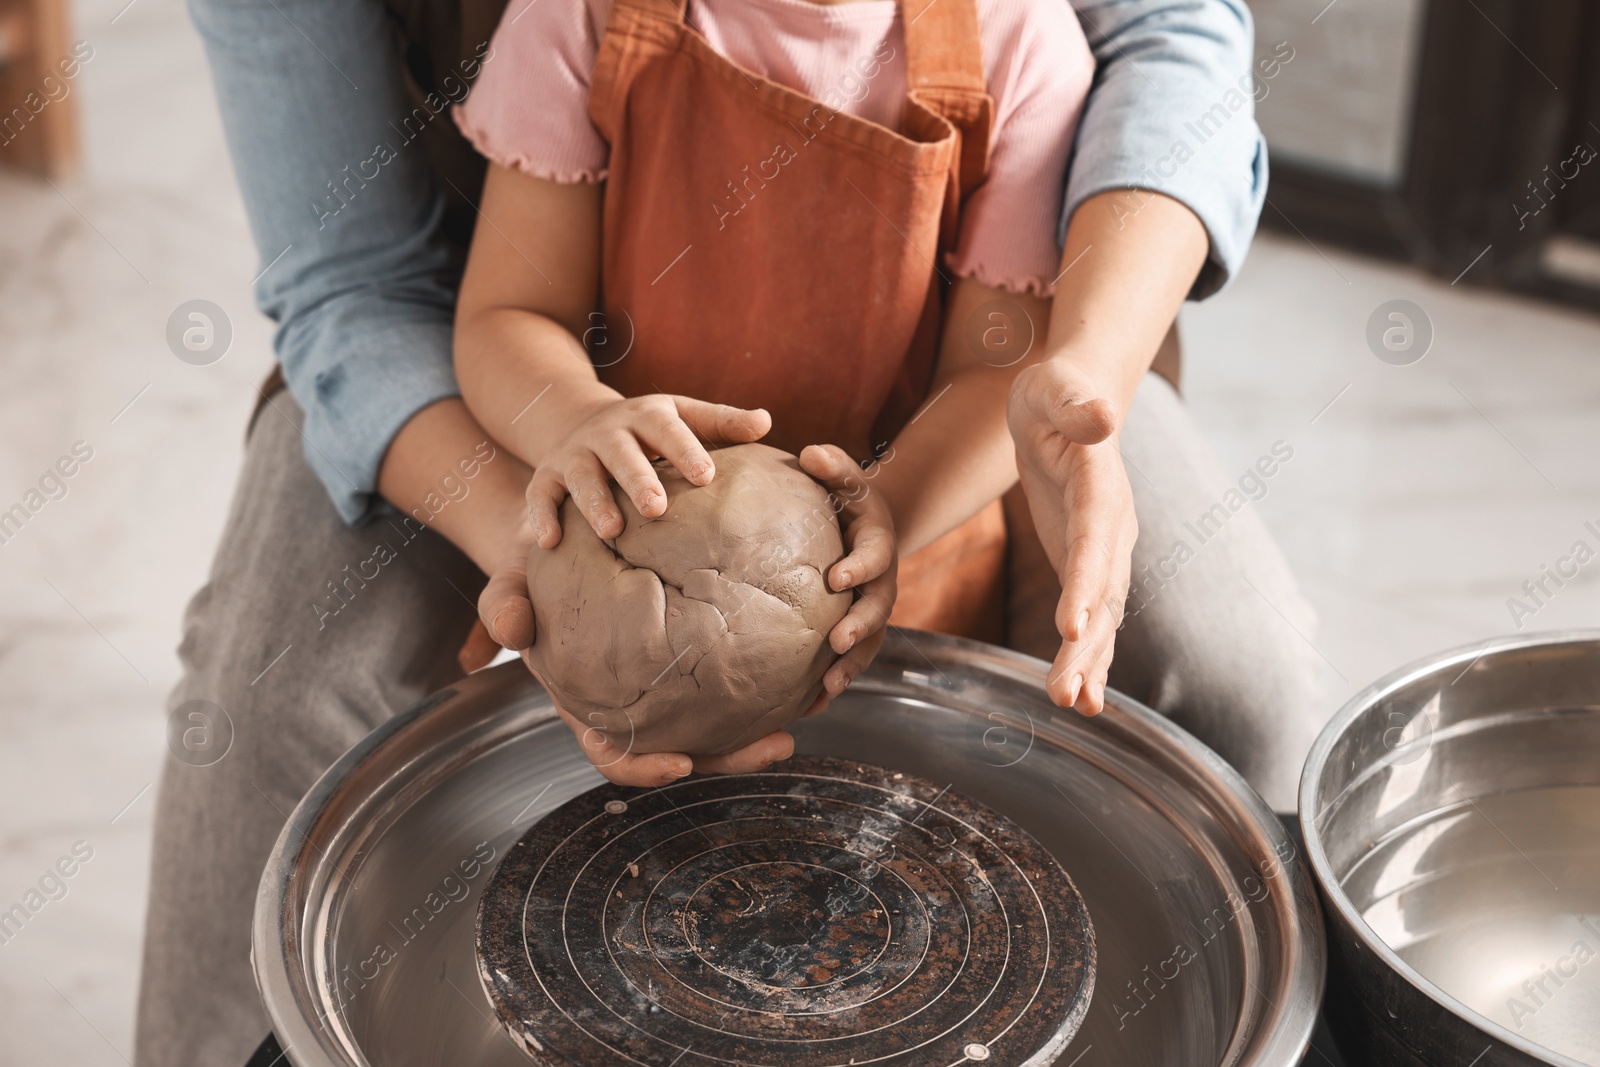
529	108
1039	68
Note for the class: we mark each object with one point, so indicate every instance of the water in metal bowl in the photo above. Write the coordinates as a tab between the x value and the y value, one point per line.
1452	814
1210	951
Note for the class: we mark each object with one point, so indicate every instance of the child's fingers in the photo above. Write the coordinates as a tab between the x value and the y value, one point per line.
1079	663
545	493
867	616
1097	687
1101	532
872	552
1056	394
1091	699
626	461
869	531
1113	600
721	423
1098	540
757	755
669	436
832	466
1064	681
590	488
869	566
851	664
1089	561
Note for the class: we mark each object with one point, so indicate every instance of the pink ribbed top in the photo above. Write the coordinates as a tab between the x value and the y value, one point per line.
529	108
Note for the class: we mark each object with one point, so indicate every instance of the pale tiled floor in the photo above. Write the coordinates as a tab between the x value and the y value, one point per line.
1410	514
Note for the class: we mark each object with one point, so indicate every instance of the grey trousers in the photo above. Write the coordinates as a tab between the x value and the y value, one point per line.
305	651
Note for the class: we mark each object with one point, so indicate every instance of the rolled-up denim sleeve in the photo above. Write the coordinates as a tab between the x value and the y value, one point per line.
1173	110
347	220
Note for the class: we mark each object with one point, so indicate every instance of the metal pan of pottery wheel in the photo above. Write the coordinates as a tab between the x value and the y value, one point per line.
1206	944
821	912
1451	813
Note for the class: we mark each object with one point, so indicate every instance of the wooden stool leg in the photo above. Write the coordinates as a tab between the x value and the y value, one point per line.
38	68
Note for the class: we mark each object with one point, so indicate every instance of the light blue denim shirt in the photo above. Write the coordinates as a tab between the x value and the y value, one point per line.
312	90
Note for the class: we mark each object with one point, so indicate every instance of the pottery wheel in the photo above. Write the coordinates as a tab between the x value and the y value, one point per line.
819	913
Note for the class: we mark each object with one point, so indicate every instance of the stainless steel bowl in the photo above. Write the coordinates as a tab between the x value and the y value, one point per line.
1452	818
1210	949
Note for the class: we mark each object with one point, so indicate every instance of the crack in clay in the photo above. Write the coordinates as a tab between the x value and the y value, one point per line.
707	626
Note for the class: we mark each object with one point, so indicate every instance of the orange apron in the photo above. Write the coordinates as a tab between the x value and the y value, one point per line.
771	252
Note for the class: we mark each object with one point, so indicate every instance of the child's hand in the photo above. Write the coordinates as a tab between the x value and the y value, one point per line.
870	565
619	440
1082	508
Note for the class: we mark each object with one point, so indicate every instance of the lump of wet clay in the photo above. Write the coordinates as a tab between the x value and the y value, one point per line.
701	630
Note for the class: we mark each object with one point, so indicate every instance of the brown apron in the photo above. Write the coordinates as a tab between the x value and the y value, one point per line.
766	251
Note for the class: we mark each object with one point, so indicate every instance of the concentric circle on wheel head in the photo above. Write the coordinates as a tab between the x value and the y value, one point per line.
819	913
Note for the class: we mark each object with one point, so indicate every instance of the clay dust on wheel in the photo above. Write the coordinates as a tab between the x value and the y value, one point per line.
820	913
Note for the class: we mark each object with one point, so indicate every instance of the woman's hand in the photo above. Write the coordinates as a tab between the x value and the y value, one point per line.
651	769
869	566
618	439
504	606
1082	507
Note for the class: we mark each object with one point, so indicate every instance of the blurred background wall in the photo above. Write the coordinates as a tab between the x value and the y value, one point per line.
1347	109
1446	133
